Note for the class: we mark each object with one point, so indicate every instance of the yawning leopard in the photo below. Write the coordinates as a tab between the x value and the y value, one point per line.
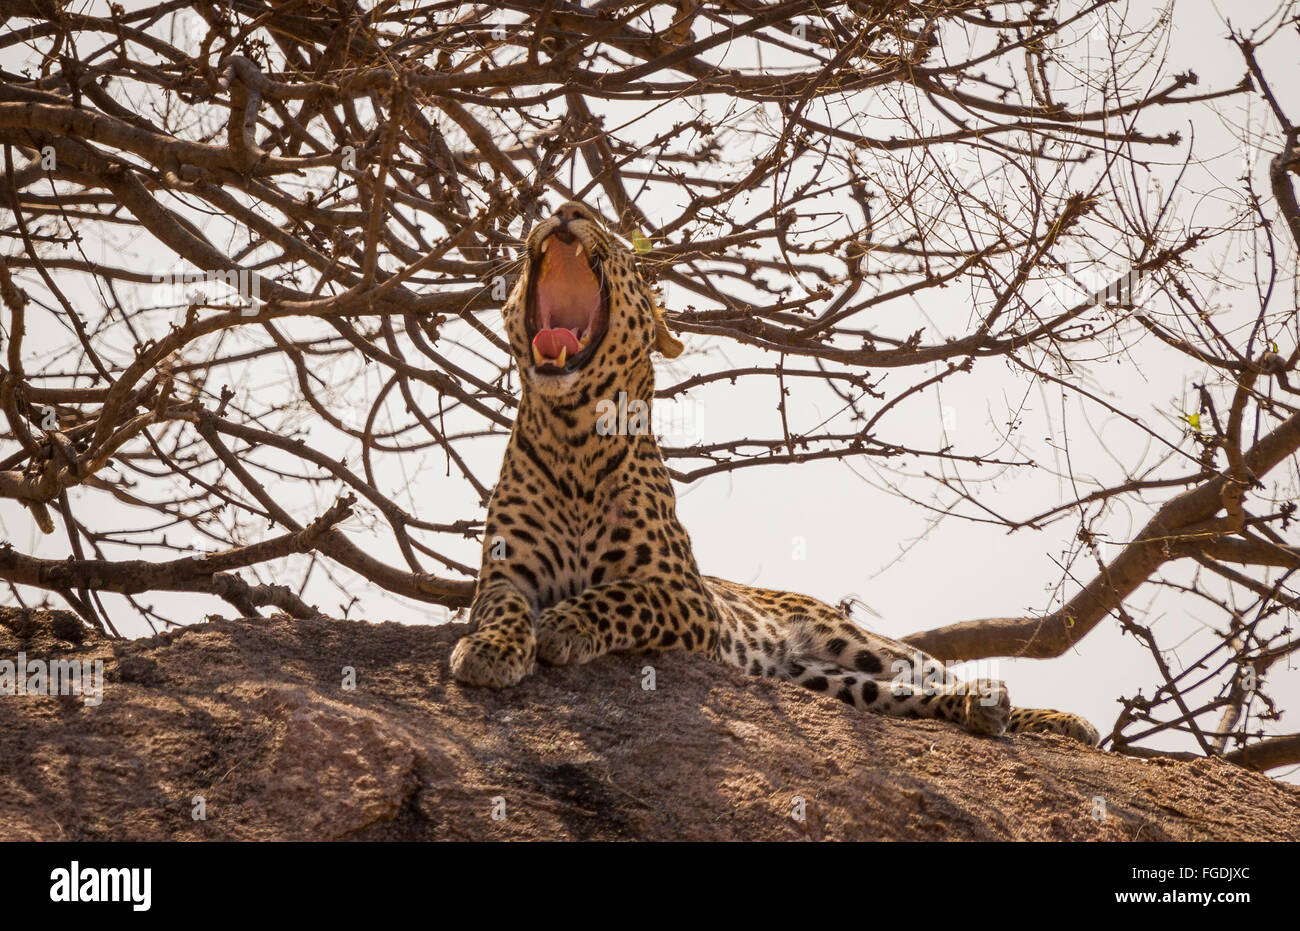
583	553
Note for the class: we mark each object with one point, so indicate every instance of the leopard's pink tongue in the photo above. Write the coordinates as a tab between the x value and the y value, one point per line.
550	342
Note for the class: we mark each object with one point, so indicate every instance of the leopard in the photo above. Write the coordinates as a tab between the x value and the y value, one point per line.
583	552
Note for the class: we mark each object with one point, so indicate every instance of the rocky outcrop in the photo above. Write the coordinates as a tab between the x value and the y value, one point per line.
278	728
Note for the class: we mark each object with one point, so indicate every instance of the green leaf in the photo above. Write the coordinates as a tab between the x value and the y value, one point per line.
1194	420
640	243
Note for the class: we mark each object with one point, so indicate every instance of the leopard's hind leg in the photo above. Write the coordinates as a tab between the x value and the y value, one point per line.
808	642
981	706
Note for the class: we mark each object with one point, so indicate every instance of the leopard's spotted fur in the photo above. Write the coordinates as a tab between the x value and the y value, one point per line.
583	552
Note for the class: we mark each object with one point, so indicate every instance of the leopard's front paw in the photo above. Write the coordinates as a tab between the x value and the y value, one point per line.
565	641
988	707
490	658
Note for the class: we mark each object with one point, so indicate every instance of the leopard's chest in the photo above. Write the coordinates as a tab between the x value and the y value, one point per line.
555	547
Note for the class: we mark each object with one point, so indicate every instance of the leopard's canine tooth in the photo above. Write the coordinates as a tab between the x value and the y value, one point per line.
538	358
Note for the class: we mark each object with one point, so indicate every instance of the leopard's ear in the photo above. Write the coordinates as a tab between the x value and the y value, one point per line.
665	342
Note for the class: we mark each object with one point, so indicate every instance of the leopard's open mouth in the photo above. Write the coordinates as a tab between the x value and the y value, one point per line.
568	306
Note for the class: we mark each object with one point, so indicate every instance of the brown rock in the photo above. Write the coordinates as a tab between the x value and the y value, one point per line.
253	716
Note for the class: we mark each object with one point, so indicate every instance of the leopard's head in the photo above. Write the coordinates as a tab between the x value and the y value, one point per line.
581	317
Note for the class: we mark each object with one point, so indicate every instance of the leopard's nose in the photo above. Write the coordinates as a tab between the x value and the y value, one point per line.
566	212
570	210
